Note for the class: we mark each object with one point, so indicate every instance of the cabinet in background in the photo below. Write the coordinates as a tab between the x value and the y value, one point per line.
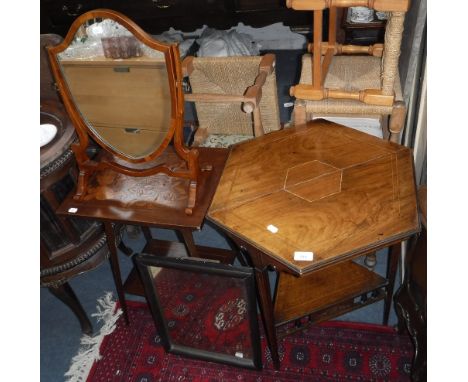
156	16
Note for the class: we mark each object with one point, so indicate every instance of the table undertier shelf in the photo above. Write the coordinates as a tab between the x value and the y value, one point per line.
326	293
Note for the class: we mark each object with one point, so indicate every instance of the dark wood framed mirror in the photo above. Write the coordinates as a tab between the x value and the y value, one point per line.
123	89
203	309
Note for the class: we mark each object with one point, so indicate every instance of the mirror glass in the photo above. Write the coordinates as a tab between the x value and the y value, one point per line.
120	86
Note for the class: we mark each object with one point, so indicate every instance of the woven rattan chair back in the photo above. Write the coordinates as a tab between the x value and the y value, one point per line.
218	78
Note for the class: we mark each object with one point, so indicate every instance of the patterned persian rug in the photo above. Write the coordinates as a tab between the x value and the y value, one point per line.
331	351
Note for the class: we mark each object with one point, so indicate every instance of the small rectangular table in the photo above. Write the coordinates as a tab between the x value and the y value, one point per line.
153	201
329	191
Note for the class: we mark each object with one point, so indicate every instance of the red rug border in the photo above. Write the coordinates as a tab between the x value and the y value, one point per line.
325	324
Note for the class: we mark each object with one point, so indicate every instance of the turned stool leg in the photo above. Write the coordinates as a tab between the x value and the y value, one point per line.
370	260
397	120
299	113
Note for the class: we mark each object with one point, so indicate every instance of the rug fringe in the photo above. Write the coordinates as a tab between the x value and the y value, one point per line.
89	348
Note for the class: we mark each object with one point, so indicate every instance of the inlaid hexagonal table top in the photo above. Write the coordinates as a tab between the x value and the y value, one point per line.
316	194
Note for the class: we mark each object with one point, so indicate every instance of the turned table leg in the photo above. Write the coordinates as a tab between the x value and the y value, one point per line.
410	303
189	243
114	263
266	308
392	266
65	293
264	297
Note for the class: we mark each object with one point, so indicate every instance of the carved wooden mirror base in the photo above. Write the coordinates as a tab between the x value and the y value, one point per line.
98	179
123	89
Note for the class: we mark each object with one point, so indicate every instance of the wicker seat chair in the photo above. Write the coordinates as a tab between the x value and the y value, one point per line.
347	79
235	98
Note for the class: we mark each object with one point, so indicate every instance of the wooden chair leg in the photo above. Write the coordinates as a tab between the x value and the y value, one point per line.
258	126
397	120
299	113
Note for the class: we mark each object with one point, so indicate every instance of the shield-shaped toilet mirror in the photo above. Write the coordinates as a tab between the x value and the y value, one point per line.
123	89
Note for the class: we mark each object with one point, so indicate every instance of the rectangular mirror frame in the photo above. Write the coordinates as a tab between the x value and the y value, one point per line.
246	274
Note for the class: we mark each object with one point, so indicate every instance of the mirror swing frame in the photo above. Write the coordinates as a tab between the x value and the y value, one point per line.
86	165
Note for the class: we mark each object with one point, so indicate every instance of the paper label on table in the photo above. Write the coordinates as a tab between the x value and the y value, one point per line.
239	354
303	256
272	228
72	210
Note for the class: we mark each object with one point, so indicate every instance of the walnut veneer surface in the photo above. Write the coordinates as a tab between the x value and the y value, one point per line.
326	188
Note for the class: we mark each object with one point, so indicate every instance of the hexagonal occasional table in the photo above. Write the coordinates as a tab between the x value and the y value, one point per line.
306	202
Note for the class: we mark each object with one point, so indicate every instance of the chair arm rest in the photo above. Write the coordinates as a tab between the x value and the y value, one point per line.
213	98
254	93
252	97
